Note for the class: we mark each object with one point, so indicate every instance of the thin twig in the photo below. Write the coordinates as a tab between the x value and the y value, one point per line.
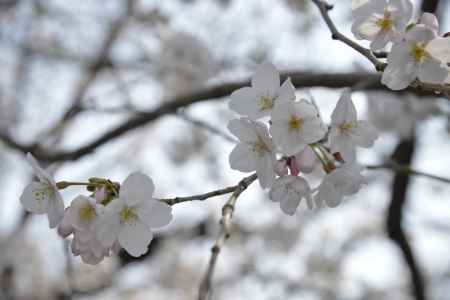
206	126
224	234
336	35
406	170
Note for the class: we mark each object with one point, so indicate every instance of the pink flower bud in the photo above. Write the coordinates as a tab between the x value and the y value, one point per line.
100	194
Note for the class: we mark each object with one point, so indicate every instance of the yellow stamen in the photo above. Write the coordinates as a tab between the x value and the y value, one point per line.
128	214
386	23
419	53
265	102
87	212
259	148
295	123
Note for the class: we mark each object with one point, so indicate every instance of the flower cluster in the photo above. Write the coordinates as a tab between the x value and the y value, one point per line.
112	217
417	51
295	138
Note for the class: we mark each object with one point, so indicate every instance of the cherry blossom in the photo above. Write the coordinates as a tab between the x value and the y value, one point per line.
255	152
347	131
129	218
83	212
343	181
43	197
288	191
413	59
381	21
258	100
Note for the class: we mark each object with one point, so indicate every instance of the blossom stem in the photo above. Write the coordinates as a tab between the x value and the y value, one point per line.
64	184
319	154
224	234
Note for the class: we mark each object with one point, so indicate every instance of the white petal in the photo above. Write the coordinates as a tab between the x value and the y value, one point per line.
344	111
136	188
440	49
306	160
432	71
328	194
135	238
242	158
107	228
243	130
288	141
380	41
420	33
244	101
35	198
265	170
266	78
38	171
55	209
286	91
430	21
313	130
364	134
154	213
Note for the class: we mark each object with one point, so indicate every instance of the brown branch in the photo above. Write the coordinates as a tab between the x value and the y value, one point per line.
403	154
299	79
401	170
336	35
224	234
443	89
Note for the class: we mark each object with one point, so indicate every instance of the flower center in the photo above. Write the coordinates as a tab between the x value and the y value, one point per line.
127	214
87	213
295	123
419	53
265	102
345	127
259	148
386	23
42	192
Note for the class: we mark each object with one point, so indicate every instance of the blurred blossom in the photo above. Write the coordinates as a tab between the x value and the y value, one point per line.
184	63
399	113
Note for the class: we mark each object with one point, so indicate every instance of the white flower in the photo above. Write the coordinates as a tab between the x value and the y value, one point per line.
43	197
129	218
343	181
257	101
381	21
295	125
86	245
184	64
289	190
413	58
83	212
255	152
347	131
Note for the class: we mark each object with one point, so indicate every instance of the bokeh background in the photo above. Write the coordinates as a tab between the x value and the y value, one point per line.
72	71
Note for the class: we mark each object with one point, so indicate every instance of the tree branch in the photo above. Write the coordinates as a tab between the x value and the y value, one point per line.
402	170
224	234
213	93
336	35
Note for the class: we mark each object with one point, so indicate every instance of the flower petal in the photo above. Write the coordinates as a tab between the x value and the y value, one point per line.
154	213
432	71
344	111
55	209
136	188
135	238
242	158
244	101
242	129
266	78
35	198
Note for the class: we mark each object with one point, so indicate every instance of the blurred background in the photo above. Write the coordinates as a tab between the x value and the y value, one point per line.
104	88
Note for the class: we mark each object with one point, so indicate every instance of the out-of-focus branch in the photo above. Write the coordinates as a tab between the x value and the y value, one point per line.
403	154
336	35
95	67
402	170
299	79
224	234
207	127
